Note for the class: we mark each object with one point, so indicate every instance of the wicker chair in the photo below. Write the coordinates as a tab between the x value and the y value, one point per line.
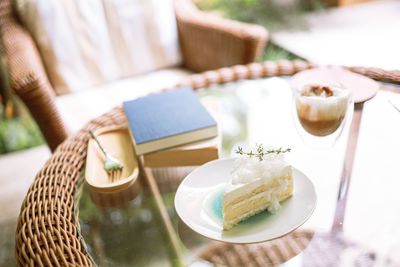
207	42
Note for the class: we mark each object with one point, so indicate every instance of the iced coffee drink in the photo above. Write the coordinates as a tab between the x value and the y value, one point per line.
321	108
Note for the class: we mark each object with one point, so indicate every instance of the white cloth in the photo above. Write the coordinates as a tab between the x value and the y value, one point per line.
91	42
79	108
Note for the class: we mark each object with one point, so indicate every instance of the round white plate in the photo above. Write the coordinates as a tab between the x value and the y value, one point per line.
198	204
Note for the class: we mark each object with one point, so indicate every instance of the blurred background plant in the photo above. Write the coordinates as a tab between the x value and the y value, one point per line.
17	128
275	15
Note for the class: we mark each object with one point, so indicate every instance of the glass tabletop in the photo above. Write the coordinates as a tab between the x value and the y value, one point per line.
359	231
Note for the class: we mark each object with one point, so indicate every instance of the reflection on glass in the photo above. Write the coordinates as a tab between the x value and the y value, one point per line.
233	115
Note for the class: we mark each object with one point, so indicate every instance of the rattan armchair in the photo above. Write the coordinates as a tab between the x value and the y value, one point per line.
207	42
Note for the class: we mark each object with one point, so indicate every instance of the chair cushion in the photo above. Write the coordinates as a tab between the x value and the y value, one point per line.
79	108
87	43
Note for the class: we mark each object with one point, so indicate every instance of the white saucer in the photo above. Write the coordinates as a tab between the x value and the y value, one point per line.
198	204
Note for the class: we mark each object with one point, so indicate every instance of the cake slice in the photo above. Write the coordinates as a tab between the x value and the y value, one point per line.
257	184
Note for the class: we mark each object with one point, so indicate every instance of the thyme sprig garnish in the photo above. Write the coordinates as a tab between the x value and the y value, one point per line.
260	152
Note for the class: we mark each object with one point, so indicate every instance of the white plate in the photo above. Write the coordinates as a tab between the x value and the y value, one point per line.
198	204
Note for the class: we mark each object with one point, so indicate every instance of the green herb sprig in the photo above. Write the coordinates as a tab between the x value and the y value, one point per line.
260	152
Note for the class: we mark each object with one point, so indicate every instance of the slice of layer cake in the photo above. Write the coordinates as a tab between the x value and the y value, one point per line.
257	184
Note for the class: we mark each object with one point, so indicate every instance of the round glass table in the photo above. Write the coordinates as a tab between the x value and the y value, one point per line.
355	221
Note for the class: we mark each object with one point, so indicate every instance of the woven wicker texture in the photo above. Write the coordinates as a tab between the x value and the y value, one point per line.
392	76
333	249
210	42
318	250
207	43
265	254
27	76
47	232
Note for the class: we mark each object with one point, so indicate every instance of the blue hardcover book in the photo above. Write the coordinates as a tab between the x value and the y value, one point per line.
168	119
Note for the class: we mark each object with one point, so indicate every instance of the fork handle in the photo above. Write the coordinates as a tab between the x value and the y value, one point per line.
98	143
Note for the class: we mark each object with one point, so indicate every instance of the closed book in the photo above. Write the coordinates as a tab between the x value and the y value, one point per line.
168	119
193	154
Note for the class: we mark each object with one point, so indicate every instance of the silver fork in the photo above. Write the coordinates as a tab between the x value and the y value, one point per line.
112	166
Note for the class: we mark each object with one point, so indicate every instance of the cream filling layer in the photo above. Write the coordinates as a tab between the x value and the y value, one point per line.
257	206
234	191
271	199
230	223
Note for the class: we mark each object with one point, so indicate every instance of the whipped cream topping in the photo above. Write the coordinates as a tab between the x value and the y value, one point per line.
247	170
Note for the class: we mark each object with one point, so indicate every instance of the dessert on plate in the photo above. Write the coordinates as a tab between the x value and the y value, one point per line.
321	108
261	179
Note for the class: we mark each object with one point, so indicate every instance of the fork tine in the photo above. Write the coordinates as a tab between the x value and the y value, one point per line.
117	174
112	174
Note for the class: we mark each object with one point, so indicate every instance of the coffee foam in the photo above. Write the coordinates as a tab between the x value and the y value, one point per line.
316	108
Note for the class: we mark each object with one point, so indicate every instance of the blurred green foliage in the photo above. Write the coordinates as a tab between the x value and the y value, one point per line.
273	14
17	128
18	133
274	52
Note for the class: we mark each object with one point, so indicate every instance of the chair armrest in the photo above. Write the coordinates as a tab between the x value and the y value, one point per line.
29	81
391	76
210	42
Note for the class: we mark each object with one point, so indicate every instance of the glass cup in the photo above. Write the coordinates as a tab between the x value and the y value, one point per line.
320	112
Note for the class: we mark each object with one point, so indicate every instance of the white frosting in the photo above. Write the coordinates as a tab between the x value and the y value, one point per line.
247	170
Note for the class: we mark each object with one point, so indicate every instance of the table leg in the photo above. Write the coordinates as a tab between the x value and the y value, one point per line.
176	246
347	168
